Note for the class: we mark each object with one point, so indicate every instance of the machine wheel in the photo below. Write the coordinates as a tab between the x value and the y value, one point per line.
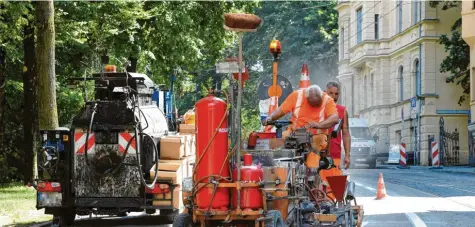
183	220
276	220
64	219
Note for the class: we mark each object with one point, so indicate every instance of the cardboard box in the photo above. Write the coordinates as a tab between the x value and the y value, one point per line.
175	176
172	147
177	201
187	129
181	163
189	143
169	166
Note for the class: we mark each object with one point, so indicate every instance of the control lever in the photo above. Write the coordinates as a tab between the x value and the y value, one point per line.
278	126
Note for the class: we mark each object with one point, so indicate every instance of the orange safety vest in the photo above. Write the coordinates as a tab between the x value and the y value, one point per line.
313	159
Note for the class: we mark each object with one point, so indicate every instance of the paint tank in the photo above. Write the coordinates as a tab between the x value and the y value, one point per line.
210	118
251	198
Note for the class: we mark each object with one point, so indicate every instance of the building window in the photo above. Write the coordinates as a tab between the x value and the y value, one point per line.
417	77
416	11
342	44
376	26
359	25
399	17
401	83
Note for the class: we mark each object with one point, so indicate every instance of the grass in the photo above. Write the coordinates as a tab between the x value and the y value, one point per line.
17	206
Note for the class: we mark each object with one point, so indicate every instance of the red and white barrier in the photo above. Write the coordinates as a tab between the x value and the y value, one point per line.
435	154
80	142
402	151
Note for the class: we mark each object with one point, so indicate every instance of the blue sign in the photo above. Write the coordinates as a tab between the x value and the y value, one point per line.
413	102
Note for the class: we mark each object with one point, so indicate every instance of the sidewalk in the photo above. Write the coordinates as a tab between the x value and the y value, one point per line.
448	169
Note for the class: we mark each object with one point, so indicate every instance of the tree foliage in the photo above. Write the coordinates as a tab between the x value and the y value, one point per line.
458	60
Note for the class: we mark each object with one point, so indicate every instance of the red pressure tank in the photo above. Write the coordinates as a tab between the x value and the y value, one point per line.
210	112
251	198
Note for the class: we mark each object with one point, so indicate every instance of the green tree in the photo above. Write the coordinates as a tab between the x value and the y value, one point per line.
458	60
45	64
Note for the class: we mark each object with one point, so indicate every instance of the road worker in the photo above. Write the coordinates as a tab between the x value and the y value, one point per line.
311	108
333	90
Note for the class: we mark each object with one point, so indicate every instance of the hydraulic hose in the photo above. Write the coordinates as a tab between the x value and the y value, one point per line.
139	145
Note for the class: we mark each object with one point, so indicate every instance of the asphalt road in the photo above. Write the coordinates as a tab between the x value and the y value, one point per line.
415	197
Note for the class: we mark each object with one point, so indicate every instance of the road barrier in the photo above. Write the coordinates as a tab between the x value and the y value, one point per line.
403	159
435	155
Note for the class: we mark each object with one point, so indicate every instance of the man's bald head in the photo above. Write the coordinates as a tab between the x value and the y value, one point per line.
314	95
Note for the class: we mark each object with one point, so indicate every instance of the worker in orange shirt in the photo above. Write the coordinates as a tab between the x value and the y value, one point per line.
311	108
333	90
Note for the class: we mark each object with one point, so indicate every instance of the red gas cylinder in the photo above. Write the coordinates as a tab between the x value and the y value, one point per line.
210	112
251	198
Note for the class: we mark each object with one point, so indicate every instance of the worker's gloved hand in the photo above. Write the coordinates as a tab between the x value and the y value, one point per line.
266	121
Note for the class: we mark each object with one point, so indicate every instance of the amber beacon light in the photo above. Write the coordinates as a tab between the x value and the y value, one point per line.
274	46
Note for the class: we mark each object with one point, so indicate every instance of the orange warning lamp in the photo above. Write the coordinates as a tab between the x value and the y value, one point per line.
274	47
110	68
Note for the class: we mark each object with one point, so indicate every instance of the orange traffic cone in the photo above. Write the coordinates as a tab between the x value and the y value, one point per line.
304	78
381	193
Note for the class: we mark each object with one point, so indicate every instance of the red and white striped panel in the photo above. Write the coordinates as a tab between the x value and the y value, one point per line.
402	151
124	139
80	142
435	154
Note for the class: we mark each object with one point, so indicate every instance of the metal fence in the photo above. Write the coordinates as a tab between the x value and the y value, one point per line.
448	145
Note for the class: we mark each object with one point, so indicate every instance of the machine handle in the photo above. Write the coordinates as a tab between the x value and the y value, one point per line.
336	128
279	123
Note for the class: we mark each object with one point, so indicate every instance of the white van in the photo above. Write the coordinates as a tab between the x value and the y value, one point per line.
363	144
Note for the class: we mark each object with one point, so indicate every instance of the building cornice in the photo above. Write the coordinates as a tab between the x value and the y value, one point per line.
414	43
342	4
400	103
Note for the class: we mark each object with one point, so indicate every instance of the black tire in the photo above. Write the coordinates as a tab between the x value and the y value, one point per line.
372	164
169	214
122	214
64	219
150	211
183	220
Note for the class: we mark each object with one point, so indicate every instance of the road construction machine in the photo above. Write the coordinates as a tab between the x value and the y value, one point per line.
235	185
101	163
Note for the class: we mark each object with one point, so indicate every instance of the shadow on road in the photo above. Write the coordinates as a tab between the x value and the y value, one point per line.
125	221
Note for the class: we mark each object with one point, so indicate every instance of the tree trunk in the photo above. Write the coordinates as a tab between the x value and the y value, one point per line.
45	63
2	99
30	114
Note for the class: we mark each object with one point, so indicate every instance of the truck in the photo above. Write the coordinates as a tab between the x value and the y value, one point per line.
363	144
100	164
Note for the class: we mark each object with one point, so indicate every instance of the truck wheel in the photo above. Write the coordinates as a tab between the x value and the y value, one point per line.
170	214
64	219
372	164
183	220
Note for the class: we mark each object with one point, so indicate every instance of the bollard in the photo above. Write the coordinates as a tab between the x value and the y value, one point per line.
403	158
435	156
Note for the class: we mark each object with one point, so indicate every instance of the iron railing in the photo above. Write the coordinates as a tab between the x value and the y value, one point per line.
448	145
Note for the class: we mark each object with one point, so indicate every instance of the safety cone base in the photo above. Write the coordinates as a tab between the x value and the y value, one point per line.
436	167
403	167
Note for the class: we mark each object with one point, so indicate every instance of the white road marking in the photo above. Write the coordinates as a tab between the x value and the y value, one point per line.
413	218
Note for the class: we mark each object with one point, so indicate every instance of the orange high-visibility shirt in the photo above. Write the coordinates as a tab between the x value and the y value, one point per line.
303	113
